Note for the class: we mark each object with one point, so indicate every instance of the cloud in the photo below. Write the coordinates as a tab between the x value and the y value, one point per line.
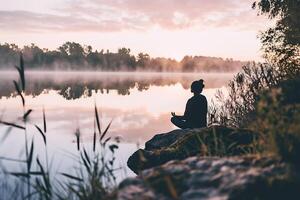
24	21
118	15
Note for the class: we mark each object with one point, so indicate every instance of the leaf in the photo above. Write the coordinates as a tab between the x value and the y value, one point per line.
107	139
12	124
19	70
45	176
71	177
94	142
22	72
86	156
105	131
44	120
97	120
86	164
18	174
36	173
29	161
19	92
27	114
77	134
41	132
113	147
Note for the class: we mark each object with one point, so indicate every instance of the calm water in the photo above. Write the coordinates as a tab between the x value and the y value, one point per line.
138	103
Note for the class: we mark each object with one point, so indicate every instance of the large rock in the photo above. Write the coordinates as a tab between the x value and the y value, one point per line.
197	178
180	144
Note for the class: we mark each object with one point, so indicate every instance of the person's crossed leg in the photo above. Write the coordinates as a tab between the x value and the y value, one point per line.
179	122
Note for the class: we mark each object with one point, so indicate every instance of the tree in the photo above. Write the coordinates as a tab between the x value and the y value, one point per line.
281	43
143	60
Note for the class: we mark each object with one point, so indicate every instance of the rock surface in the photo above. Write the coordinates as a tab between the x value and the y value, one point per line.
242	177
181	144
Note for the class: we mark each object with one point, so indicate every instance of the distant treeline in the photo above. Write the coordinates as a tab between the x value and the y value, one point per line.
73	56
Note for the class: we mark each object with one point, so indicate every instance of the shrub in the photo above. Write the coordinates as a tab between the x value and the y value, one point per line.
278	117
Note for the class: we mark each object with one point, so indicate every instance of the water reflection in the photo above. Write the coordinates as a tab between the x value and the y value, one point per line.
138	103
74	85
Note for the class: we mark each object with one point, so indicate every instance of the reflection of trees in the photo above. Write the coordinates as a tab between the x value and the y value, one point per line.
76	87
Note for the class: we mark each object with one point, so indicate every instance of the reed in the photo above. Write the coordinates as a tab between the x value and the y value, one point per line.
93	179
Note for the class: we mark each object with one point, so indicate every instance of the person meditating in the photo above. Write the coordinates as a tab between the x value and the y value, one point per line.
195	111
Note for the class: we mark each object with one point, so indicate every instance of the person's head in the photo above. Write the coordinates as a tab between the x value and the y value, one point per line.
197	86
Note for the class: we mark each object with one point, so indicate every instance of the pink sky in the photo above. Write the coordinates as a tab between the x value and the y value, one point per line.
169	28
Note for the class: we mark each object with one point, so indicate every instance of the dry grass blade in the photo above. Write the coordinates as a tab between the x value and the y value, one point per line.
171	187
113	147
86	156
107	139
94	142
27	114
72	177
86	163
105	131
19	92
36	173
12	124
20	174
21	71
44	120
45	177
97	120
41	132
29	161
77	134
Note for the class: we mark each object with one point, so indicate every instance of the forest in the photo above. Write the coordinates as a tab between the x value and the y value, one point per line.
74	56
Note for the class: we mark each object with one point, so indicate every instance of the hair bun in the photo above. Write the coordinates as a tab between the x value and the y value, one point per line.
201	82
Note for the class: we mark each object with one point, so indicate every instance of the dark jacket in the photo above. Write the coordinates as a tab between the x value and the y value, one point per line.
196	112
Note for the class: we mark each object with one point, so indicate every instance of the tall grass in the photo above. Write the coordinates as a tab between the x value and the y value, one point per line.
238	107
93	178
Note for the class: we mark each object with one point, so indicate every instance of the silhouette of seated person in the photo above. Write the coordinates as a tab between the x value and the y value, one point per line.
195	111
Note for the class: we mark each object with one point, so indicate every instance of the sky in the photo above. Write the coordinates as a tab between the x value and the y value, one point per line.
161	28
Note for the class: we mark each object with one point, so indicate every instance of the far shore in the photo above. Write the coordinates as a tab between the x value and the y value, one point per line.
123	72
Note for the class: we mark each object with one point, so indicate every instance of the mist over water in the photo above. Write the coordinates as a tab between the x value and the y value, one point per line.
138	103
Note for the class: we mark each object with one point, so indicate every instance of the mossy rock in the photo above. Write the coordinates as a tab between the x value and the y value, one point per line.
180	144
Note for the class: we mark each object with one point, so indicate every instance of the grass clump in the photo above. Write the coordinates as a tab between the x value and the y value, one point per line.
93	178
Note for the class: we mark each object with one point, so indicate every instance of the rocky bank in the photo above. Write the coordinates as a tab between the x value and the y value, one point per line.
181	144
212	163
213	178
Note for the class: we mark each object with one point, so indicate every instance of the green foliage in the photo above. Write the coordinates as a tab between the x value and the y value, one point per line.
216	141
265	97
278	119
281	43
95	178
238	109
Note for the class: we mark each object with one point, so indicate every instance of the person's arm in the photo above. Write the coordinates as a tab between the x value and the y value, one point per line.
178	116
182	117
187	110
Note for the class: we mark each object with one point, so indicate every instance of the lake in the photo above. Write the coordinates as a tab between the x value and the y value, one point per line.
139	105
